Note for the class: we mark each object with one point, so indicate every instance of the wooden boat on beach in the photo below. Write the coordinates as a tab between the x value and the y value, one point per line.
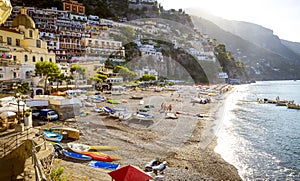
104	165
76	156
108	110
78	147
98	157
71	132
114	157
142	116
136	97
113	101
170	115
51	136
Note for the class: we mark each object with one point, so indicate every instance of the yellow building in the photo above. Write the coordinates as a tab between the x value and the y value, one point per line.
5	10
21	48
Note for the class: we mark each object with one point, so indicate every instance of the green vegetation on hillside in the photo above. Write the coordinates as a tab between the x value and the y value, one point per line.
40	3
234	68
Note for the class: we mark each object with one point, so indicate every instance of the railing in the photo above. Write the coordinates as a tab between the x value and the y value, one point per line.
16	140
13	141
39	173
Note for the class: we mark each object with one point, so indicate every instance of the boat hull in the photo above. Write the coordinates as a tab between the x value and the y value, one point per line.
77	156
98	157
51	136
77	147
105	165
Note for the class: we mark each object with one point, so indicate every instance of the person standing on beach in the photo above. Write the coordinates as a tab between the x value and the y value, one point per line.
164	107
170	107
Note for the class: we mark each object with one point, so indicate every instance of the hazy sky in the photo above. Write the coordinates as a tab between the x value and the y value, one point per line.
282	16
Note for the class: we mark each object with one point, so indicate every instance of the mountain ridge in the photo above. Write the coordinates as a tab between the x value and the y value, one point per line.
268	59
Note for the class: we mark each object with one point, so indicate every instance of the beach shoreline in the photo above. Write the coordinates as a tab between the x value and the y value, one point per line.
187	143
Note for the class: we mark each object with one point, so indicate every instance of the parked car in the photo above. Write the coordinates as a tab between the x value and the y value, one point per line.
48	114
35	113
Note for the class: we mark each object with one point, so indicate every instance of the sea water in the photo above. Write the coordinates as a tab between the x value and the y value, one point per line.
262	140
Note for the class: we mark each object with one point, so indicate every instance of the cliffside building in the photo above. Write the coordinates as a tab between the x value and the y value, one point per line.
73	6
21	49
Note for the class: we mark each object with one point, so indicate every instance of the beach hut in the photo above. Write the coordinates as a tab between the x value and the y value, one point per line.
129	173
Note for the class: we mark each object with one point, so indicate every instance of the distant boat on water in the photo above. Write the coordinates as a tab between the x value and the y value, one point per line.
293	106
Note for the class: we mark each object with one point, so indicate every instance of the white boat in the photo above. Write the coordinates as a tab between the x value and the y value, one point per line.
78	147
142	116
125	116
195	100
171	115
89	104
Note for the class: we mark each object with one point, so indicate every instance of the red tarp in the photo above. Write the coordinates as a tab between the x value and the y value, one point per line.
129	173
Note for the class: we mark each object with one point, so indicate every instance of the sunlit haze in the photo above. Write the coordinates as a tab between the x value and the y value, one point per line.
280	16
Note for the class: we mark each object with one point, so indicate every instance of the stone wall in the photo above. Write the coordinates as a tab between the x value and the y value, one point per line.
13	164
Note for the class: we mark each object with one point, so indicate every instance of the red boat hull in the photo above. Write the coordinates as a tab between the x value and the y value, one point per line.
99	157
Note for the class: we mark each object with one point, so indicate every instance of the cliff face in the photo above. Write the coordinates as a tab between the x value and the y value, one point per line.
262	63
295	46
260	36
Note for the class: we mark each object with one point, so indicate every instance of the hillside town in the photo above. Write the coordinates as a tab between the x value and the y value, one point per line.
69	36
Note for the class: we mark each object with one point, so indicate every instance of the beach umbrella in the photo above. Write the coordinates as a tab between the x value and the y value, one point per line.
129	173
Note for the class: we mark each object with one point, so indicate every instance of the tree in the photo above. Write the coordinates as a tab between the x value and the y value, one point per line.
125	72
23	88
68	79
46	69
232	67
78	69
148	77
99	78
129	32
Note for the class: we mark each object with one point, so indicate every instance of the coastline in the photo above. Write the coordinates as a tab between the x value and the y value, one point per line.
187	144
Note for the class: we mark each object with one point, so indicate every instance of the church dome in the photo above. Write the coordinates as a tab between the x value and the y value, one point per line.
23	19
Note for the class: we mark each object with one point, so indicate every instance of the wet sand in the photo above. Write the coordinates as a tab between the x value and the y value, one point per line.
186	143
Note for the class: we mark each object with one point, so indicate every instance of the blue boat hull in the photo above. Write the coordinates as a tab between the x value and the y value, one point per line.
77	156
105	165
50	136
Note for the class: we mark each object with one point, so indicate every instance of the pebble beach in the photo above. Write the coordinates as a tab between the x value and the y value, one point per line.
186	144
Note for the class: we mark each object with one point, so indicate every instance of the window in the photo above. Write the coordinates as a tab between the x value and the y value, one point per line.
1	39
38	43
15	58
42	59
17	42
27	74
25	58
50	60
8	40
1	76
33	59
30	33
